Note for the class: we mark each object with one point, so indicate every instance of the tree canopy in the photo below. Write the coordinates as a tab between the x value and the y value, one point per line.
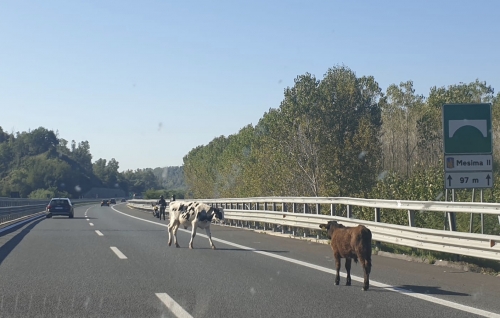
40	164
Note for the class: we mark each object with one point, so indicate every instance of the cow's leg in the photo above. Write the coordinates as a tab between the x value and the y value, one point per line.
348	270
193	234
176	227
207	229
170	230
367	266
337	267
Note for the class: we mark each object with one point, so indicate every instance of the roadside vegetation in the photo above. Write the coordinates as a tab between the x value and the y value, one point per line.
342	135
39	164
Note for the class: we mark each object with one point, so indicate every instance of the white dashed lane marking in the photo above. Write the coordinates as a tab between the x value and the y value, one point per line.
173	306
118	253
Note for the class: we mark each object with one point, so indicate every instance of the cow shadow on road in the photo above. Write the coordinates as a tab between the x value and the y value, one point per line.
11	244
429	290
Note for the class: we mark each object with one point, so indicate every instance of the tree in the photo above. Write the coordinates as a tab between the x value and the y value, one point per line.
401	111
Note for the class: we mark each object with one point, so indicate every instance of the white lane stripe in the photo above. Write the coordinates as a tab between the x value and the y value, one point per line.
99	233
173	306
89	209
91	224
88	220
413	294
118	253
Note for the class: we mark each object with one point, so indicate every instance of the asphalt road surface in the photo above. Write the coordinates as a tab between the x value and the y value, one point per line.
115	262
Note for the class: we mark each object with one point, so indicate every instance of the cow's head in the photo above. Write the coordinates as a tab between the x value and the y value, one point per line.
330	227
218	213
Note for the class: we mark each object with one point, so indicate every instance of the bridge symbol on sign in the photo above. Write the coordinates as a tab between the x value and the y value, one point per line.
467	129
479	124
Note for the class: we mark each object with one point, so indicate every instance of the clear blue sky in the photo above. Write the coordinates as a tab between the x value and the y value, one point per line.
147	81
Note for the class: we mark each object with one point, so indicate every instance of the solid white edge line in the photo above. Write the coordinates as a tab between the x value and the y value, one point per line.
173	306
91	224
118	252
99	233
428	298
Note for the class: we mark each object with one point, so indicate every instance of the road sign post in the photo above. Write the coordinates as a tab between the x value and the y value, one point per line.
468	146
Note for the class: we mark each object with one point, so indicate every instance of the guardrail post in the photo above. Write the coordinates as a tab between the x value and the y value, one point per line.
332	209
452	221
265	206
411	218
349	211
318	208
294	207
274	206
284	207
305	208
482	223
377	219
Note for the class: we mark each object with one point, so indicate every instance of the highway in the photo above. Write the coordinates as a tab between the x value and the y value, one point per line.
115	262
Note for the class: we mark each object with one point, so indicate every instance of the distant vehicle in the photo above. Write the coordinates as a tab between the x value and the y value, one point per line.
60	206
123	200
104	203
112	201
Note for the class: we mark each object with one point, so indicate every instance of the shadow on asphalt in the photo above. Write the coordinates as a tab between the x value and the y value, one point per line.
10	245
429	290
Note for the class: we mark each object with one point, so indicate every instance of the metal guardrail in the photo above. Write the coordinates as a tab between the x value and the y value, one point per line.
470	244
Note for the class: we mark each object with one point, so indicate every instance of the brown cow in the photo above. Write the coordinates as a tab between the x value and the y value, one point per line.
350	243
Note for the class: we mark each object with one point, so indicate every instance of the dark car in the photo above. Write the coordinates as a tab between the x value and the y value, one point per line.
104	203
123	200
60	206
112	201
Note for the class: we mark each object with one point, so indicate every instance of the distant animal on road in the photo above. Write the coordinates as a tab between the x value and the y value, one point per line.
194	214
350	243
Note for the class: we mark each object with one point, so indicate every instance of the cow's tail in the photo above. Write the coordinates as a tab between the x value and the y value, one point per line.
366	248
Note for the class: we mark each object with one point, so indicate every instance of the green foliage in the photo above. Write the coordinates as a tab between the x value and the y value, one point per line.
39	163
153	194
323	140
341	136
47	194
170	177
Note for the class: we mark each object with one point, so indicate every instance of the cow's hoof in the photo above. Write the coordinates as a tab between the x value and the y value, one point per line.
169	243
213	247
177	245
190	247
364	288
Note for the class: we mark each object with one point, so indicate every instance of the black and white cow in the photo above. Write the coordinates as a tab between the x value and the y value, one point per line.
194	214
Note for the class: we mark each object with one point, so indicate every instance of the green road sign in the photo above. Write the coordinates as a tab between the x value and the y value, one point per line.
467	129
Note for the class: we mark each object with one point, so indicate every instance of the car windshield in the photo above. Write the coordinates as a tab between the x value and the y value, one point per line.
59	202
